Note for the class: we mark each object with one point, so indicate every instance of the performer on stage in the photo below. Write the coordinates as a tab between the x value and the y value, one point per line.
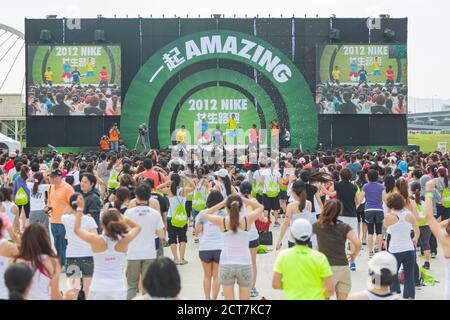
232	126
203	129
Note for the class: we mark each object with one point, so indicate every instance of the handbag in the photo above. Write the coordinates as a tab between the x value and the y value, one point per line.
266	238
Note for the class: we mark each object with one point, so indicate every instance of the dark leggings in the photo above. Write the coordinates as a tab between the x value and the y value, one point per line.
26	208
375	228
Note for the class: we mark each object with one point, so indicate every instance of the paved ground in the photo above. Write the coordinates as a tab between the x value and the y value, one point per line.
192	274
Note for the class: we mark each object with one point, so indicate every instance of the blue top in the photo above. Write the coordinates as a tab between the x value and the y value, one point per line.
362	74
203	126
66	68
354	67
373	194
403	166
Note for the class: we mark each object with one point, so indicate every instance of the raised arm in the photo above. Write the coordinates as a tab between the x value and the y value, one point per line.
257	212
91	238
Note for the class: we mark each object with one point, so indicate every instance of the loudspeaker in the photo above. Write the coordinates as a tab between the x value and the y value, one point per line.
335	34
99	35
45	36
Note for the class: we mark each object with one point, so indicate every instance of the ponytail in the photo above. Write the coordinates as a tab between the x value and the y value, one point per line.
176	180
299	188
39	177
234	205
227	184
24	172
114	228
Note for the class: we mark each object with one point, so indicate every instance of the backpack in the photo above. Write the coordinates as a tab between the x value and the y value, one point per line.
273	189
21	198
113	182
446	198
198	200
179	216
418	280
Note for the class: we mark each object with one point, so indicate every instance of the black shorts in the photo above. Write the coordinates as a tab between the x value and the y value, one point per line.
209	256
176	235
361	215
83	264
283	195
271	203
188	208
26	208
259	198
253	244
374	216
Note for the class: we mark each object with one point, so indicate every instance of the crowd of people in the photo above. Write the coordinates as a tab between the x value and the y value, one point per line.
333	98
103	220
74	101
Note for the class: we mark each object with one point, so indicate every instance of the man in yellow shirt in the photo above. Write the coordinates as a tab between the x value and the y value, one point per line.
302	273
336	74
376	67
89	68
232	126
48	75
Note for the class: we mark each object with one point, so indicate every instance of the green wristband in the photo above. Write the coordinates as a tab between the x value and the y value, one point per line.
429	194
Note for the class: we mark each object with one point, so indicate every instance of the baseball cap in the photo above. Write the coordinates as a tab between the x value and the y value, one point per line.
289	155
12	154
301	229
56	173
221	173
383	260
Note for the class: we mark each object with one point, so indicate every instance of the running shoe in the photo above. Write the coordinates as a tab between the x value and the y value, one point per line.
353	266
364	243
371	255
276	224
176	261
426	265
433	255
253	293
196	240
183	262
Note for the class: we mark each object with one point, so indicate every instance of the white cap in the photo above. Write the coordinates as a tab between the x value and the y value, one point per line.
289	155
383	260
221	173
301	229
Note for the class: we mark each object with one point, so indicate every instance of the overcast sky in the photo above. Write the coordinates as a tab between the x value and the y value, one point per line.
428	26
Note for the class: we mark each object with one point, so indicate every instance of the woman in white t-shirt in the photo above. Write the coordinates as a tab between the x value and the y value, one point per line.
38	200
109	251
78	253
211	244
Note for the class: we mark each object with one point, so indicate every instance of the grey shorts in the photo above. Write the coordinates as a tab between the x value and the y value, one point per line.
229	274
374	216
39	216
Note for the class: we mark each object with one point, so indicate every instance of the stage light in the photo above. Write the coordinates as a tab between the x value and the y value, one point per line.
99	35
99	16
388	34
333	16
51	16
216	16
45	36
335	34
384	16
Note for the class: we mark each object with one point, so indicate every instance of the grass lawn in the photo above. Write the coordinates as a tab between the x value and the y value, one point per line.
429	142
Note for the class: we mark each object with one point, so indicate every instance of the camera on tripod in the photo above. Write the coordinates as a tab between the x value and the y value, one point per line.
142	129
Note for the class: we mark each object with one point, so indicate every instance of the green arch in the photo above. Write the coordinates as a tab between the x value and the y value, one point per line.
155	73
206	76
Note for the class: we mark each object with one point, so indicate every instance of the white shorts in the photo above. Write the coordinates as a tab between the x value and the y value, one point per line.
107	295
352	221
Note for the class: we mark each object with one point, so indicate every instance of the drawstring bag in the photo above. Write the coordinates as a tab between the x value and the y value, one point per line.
113	182
446	198
198	201
21	197
273	189
179	216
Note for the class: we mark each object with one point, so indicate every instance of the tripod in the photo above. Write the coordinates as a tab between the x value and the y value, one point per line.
143	139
